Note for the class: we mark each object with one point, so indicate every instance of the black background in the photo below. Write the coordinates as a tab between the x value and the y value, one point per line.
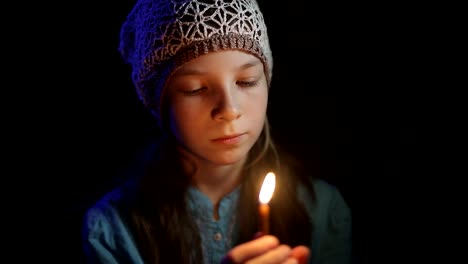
333	101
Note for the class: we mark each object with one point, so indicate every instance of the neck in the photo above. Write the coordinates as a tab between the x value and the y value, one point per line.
217	181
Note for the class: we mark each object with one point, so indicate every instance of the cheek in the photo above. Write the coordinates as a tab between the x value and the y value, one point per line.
257	105
172	120
183	120
261	114
256	111
177	120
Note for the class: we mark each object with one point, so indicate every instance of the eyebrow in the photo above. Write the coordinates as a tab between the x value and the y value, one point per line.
185	71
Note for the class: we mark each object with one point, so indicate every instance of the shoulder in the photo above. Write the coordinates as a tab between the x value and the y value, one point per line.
331	219
323	195
329	198
105	234
327	193
104	214
326	206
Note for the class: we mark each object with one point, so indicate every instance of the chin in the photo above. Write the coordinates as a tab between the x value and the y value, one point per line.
230	158
226	161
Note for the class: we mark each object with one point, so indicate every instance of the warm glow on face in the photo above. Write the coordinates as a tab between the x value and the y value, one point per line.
268	187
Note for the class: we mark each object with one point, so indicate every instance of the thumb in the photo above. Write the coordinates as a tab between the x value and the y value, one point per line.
301	253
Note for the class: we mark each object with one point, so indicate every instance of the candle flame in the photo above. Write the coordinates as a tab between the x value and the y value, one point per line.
268	186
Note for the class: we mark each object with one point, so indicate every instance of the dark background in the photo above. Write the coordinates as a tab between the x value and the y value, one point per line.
333	103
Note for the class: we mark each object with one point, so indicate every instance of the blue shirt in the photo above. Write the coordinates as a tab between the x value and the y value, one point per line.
108	239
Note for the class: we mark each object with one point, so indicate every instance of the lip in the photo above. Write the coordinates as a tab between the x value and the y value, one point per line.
229	139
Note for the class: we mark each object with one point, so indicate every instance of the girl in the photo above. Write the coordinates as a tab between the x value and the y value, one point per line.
203	69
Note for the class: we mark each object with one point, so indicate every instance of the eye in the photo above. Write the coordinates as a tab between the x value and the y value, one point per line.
247	84
193	91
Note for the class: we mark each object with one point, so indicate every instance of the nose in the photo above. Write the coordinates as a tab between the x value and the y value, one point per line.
227	106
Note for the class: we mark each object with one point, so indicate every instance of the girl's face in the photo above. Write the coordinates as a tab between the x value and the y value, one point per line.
217	105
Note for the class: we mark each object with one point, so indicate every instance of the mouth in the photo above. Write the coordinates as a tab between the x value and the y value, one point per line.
229	139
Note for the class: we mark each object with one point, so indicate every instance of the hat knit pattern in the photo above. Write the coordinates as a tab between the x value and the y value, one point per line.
160	35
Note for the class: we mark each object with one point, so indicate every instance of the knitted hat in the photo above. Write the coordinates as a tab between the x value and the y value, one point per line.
160	35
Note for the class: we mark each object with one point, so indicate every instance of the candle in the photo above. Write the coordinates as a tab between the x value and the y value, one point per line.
266	192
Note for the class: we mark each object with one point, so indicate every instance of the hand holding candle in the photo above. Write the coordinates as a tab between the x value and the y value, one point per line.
266	192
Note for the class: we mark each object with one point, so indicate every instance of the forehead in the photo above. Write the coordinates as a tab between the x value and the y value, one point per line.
226	60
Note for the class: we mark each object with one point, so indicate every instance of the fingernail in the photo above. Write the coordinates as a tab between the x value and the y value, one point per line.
258	234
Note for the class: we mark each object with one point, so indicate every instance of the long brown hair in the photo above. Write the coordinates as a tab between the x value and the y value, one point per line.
158	215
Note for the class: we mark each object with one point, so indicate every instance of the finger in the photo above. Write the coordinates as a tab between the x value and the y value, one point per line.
291	261
279	254
248	250
301	253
